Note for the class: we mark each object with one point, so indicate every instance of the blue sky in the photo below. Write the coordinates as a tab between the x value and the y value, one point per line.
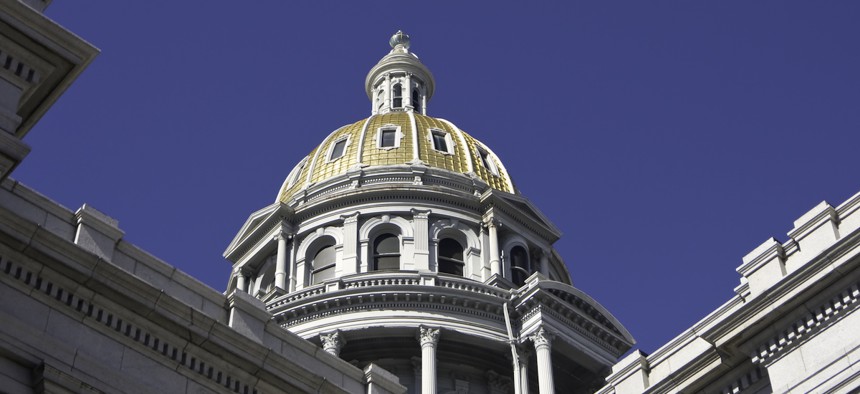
665	139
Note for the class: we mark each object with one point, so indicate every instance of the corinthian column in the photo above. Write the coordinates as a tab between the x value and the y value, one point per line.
332	342
428	337
541	340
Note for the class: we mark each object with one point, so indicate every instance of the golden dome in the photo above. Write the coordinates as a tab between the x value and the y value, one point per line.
361	145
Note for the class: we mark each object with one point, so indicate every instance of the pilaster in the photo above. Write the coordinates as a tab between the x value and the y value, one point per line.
349	263
420	221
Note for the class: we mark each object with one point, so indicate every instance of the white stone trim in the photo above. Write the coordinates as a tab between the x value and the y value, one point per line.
413	123
330	149
358	152
491	164
369	228
304	246
398	135
449	141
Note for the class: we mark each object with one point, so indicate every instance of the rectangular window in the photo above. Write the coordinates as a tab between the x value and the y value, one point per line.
439	141
388	138
338	149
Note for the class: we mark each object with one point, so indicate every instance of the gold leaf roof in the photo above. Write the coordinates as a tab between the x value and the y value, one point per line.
416	145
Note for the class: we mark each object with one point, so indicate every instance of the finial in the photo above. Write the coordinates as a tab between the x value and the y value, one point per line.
399	38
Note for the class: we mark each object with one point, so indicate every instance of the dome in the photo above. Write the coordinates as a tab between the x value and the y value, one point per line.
397	139
401	229
397	136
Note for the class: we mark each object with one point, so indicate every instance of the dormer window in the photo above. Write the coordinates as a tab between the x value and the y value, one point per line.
337	149
442	141
487	162
294	174
398	96
388	137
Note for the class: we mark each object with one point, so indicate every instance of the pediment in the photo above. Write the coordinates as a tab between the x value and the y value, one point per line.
522	209
256	222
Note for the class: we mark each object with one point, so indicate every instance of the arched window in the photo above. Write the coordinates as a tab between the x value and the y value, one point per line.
398	96
450	257
519	265
323	264
386	252
416	100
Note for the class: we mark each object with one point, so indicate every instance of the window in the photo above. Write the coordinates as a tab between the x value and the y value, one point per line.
416	100
323	264
337	150
519	265
386	252
440	140
450	257
387	138
487	162
398	96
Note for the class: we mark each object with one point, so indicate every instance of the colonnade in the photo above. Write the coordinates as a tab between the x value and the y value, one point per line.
428	338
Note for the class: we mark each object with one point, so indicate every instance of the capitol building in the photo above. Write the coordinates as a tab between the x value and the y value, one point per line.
397	256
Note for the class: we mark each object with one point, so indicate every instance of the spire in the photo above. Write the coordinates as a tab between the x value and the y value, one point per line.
399	82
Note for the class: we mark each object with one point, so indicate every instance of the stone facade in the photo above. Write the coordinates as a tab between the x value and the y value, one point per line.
791	328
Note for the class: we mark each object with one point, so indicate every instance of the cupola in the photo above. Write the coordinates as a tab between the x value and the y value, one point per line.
399	82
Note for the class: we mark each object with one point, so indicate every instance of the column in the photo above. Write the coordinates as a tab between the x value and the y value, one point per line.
428	337
332	342
407	91
523	355
541	340
544	263
495	265
387	94
241	280
281	262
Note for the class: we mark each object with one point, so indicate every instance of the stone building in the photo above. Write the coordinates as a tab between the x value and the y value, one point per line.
397	256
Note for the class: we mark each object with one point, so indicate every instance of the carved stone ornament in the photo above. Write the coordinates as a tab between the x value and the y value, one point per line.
428	336
542	337
332	342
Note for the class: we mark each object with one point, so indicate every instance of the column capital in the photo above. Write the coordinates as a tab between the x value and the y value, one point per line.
491	222
420	213
428	336
542	337
333	342
524	353
350	218
244	271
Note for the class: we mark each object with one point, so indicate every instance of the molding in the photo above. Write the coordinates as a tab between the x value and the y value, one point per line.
819	318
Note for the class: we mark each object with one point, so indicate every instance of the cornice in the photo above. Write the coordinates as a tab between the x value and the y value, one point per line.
817	319
404	291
